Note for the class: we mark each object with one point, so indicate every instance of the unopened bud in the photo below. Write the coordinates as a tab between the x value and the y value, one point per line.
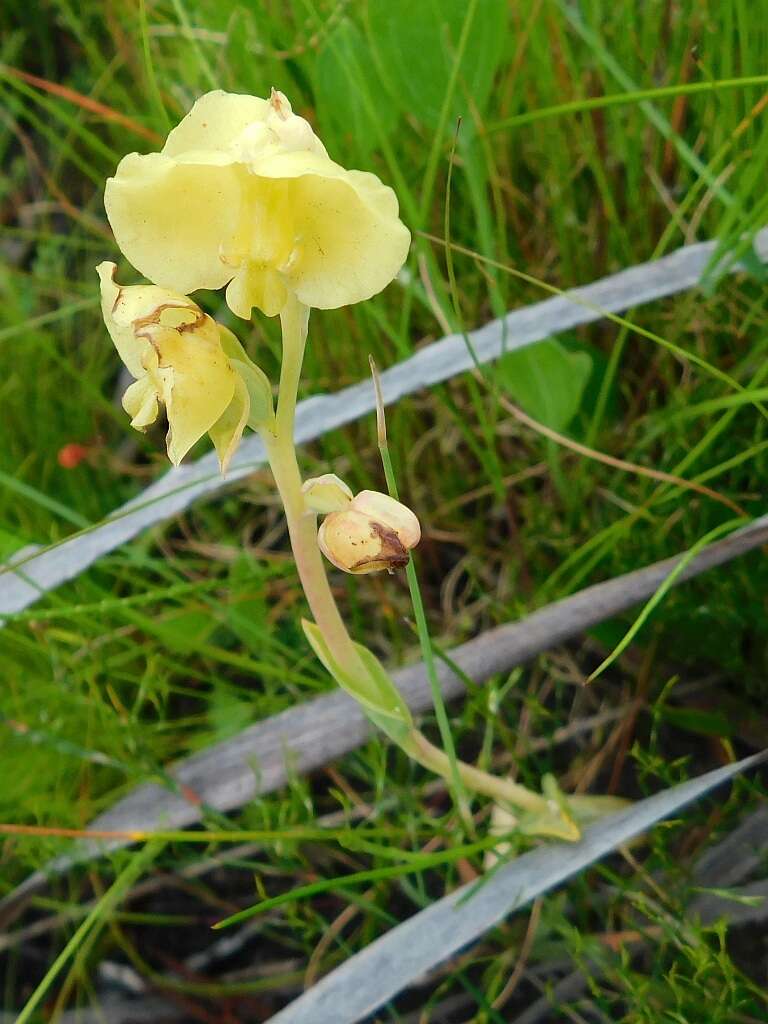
372	533
393	513
326	493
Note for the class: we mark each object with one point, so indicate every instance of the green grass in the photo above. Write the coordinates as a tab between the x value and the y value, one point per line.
192	631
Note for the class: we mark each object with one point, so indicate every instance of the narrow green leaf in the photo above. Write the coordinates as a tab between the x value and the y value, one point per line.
259	389
375	975
260	392
416	44
661	593
344	57
374	690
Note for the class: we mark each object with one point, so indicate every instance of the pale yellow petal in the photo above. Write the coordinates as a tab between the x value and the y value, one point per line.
194	379
228	429
391	513
178	222
140	402
244	194
295	164
352	242
122	305
358	544
256	285
347	239
215	122
326	493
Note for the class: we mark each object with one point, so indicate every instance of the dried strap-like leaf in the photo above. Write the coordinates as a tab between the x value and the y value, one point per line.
260	759
34	571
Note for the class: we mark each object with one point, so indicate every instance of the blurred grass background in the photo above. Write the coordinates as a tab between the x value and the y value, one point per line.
191	632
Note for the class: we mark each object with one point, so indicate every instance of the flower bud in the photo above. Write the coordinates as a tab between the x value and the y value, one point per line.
326	493
393	513
374	532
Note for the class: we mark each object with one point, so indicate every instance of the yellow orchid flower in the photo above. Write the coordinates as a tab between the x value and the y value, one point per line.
244	194
181	358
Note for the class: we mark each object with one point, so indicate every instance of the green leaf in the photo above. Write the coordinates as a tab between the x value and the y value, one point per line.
227	714
10	543
260	392
705	723
374	689
559	822
376	974
348	88
547	380
259	389
416	44
182	631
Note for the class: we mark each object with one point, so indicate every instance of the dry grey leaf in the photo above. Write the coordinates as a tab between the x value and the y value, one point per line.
384	968
259	759
39	570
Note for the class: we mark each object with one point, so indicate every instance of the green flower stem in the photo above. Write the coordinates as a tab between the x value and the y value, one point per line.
302	524
421	620
302	528
475	779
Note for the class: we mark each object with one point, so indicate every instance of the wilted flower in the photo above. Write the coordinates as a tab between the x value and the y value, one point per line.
372	533
181	358
244	194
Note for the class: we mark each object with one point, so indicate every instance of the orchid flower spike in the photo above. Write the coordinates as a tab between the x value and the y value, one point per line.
244	194
181	358
366	533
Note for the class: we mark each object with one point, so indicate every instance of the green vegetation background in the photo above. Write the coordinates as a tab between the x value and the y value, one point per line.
191	632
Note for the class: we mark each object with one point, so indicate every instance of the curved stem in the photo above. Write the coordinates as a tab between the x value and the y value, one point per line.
302	528
476	779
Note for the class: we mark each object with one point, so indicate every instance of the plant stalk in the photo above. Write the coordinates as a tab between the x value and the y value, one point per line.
475	779
302	523
302	529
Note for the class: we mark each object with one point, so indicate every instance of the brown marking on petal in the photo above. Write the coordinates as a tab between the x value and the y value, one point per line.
199	320
153	318
147	336
277	104
119	295
152	321
392	554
